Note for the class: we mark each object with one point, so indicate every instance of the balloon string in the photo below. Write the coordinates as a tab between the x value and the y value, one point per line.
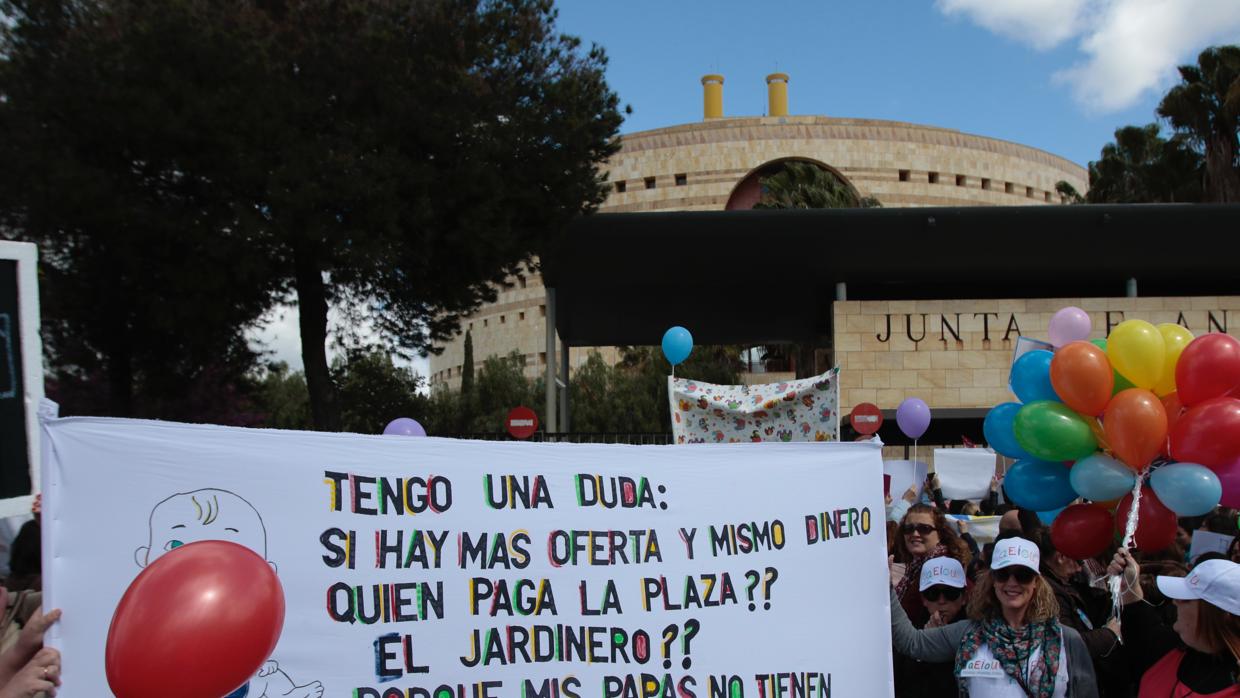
1130	529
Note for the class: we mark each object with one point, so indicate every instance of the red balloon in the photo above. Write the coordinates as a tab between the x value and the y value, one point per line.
1156	523
202	618
1208	368
1082	531
1208	433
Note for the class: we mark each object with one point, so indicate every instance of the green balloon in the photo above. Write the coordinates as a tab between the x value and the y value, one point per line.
1121	383
1051	431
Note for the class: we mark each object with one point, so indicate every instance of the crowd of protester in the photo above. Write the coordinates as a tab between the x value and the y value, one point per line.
1016	617
27	668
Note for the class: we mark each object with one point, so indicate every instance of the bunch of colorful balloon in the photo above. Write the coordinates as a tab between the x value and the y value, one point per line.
1149	405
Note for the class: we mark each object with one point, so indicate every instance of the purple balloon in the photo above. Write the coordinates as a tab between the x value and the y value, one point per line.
913	416
1070	324
404	426
1229	478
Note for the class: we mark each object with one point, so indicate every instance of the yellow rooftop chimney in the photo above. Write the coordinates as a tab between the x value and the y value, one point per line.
777	94
712	96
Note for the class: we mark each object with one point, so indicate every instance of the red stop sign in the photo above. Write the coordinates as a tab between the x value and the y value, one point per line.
866	418
521	422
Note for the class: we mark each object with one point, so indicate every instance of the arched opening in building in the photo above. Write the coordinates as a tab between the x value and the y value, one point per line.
768	181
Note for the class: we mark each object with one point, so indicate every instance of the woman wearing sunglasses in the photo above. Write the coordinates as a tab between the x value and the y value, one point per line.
1012	644
924	534
943	594
1199	654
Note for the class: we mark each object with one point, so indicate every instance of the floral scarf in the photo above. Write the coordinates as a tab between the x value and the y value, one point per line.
1012	648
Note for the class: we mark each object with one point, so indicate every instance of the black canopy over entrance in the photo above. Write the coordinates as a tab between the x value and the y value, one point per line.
769	277
753	277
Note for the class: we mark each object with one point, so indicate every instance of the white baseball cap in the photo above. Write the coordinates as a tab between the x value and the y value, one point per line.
1015	551
941	570
1214	581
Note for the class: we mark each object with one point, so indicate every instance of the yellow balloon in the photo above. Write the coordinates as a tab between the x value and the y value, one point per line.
1137	350
1175	338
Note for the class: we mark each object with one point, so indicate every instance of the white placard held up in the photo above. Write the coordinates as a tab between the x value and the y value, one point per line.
905	474
964	473
512	568
1208	542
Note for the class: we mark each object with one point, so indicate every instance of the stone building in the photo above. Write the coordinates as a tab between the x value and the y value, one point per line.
718	163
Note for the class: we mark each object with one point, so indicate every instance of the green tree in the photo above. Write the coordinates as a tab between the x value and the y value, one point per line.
398	158
374	391
281	398
1205	109
798	184
501	386
1143	167
147	284
1069	192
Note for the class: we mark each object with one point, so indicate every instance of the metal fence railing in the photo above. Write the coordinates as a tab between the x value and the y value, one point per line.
576	437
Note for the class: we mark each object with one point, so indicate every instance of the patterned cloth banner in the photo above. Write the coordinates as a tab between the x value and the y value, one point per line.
800	410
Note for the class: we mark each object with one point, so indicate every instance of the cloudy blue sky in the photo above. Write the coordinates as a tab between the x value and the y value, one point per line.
1060	75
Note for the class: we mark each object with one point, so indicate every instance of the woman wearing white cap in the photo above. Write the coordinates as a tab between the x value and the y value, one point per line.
1198	655
1012	644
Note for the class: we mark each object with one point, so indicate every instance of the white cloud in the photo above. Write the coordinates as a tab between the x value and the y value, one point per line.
1043	24
1130	47
1137	44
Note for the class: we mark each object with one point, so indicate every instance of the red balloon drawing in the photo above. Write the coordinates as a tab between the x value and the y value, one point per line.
197	623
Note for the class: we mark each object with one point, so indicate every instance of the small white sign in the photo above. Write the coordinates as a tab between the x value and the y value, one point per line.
964	473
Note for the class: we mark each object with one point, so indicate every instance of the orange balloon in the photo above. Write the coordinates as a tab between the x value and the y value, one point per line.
1082	377
1135	423
1175	410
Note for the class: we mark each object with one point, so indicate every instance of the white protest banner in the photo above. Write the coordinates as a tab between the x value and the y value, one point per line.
905	474
1208	542
964	473
807	409
436	568
984	529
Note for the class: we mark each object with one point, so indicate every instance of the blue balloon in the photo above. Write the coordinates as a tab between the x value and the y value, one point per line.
999	433
1039	485
1030	379
1048	517
677	343
1101	478
1187	489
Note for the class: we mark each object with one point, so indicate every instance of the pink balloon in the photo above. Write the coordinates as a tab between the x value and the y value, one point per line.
1229	477
1070	324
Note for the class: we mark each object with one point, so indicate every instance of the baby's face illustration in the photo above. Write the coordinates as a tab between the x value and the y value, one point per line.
203	515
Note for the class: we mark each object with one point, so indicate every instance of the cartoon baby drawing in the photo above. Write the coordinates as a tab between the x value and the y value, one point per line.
213	514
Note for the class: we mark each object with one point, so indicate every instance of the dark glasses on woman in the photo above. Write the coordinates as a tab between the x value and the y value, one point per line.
1023	574
923	529
942	592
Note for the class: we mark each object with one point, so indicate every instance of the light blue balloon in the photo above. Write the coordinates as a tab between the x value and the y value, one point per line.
677	343
1030	379
1048	517
1039	485
1101	478
1187	489
998	431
